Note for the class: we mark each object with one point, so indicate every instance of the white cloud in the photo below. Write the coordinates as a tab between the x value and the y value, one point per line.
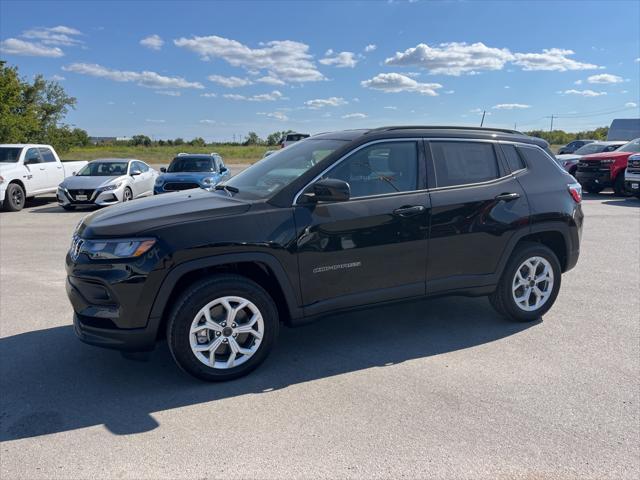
551	59
584	93
144	79
631	104
453	58
284	60
459	58
637	60
154	42
58	78
510	106
390	107
449	92
270	80
60	36
340	60
276	115
355	115
207	121
395	82
229	82
209	95
507	87
370	48
14	46
151	120
263	97
578	82
325	102
478	111
169	93
605	78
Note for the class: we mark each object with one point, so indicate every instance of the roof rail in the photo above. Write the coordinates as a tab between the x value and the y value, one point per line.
182	154
443	127
214	154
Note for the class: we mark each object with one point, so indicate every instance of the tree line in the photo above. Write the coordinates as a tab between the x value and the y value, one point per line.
560	137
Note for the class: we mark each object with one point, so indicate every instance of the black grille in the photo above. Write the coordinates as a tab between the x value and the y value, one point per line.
173	186
74	193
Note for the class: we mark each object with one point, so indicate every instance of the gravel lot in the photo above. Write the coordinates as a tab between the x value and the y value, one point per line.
431	389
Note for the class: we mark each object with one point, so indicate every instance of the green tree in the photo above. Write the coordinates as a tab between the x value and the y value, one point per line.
252	139
276	138
178	141
138	140
197	142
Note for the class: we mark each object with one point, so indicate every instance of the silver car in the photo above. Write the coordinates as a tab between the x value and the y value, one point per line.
106	182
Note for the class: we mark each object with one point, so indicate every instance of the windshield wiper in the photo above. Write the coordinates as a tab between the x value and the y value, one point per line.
227	188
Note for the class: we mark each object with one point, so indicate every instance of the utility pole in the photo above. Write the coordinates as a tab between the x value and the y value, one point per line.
551	128
483	114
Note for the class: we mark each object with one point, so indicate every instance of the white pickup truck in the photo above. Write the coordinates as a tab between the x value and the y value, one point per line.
27	170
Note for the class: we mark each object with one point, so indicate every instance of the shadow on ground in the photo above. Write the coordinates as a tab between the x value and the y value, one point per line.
50	382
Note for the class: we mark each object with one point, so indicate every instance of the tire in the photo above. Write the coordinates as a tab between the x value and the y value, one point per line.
127	195
14	198
619	187
503	298
68	208
189	313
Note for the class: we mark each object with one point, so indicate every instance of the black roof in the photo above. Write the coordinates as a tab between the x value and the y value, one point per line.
434	131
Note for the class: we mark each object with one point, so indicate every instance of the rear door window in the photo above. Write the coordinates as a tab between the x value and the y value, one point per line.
513	158
464	163
47	155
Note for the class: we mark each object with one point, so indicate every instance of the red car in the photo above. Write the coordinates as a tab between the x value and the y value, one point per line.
601	170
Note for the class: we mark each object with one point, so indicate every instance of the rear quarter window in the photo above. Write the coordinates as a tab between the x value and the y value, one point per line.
514	160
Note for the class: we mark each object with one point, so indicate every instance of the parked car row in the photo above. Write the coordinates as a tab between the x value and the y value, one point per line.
28	170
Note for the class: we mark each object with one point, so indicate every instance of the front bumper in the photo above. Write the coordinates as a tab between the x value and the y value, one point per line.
100	198
600	178
632	182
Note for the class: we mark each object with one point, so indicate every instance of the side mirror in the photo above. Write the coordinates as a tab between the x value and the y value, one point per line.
30	161
223	169
136	173
163	169
329	190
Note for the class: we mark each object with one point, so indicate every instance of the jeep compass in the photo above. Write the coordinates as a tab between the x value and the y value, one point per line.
336	221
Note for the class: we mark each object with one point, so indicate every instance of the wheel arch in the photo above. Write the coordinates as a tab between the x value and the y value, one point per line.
263	269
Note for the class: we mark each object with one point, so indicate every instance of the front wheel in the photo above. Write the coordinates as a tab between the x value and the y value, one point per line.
222	328
68	208
127	195
593	189
13	198
619	188
529	284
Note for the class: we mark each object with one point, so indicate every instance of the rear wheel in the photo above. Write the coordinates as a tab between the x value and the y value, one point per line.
222	328
529	284
14	198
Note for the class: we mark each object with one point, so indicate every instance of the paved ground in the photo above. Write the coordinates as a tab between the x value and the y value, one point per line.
440	389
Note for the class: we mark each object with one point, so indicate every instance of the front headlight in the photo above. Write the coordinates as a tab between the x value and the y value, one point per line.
117	248
208	181
159	181
111	187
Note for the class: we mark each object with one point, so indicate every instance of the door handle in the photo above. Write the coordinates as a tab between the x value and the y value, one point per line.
59	167
41	168
508	197
409	211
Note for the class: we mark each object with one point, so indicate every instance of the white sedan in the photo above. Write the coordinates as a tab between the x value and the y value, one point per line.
106	182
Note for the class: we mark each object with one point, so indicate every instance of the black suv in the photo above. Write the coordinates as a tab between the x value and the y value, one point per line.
337	221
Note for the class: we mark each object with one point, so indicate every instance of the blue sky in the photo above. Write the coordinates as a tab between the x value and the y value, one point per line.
219	69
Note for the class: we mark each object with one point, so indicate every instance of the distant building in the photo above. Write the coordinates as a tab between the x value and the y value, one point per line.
102	140
123	139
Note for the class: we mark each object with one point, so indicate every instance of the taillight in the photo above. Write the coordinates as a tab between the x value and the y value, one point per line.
575	190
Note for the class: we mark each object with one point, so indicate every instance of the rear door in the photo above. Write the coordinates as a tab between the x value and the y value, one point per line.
53	169
372	247
477	206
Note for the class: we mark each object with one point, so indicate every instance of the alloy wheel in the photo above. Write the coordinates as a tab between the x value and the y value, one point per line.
226	332
532	283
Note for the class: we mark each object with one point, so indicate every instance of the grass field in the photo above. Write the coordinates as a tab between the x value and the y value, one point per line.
164	154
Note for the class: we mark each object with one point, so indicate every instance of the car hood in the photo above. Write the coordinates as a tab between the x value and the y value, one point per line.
568	156
135	218
600	156
185	176
81	182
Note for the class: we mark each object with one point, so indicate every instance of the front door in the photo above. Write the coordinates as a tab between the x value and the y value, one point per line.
53	169
477	206
372	247
36	176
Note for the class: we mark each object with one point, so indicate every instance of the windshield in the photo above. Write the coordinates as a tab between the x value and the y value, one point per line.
191	164
595	148
9	154
103	169
632	146
275	172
